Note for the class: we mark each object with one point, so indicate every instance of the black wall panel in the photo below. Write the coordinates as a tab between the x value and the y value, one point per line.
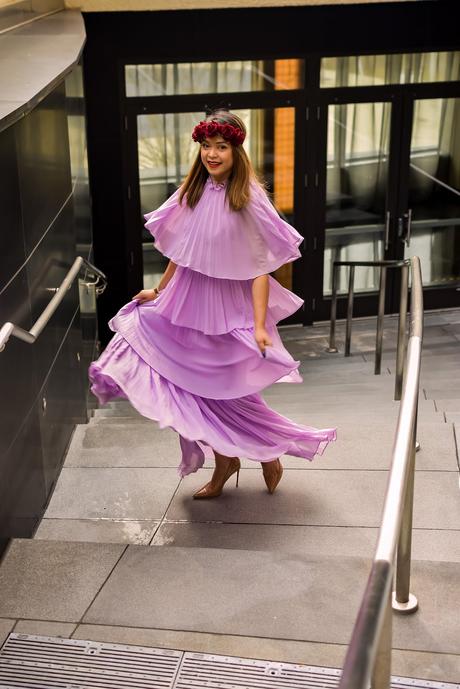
63	403
43	386
11	239
44	165
22	487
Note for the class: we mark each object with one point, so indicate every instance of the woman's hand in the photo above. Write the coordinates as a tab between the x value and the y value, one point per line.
145	295
262	338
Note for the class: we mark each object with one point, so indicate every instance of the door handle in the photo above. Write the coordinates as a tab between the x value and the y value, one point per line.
404	226
387	229
408	216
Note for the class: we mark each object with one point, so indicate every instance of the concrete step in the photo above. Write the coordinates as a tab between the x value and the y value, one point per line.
449	390
274	594
319	414
448	405
362	444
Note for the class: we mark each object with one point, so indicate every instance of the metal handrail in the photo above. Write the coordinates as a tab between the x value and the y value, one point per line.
369	654
11	330
383	265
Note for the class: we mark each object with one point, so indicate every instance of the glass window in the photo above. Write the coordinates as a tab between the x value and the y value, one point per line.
377	70
213	77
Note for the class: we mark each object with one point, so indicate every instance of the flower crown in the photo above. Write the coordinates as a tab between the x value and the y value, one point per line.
209	129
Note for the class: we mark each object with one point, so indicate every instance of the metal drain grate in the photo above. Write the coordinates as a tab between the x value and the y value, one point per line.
43	662
225	672
200	670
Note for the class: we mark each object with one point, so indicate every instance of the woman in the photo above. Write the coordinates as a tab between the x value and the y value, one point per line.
194	352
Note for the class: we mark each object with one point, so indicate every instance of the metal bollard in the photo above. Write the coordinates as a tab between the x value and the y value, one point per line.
403	600
332	346
381	674
401	350
351	282
380	317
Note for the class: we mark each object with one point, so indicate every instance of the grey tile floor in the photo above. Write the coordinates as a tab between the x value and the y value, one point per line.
125	555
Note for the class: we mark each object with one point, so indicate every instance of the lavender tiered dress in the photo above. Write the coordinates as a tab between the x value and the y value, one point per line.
188	359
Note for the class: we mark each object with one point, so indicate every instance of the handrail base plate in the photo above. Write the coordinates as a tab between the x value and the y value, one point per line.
404	608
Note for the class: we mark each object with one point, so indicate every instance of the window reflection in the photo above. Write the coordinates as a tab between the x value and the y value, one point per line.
376	70
434	189
213	77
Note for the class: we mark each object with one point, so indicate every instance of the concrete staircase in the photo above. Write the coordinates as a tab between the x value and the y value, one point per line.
124	555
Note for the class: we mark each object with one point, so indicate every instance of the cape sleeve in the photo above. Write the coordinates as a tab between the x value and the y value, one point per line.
157	221
281	240
221	243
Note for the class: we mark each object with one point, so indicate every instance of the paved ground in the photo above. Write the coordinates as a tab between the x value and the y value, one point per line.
252	574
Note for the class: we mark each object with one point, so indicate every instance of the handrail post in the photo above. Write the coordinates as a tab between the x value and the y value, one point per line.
351	282
380	317
402	324
381	674
403	600
332	346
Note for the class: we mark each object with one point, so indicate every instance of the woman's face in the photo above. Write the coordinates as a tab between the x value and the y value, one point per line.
217	157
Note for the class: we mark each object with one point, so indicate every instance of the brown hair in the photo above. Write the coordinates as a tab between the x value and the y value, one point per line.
242	173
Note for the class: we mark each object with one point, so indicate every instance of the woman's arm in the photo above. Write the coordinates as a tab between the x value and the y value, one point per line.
167	275
260	292
149	294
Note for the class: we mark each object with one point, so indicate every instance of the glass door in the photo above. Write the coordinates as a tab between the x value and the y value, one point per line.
358	143
165	152
357	195
429	219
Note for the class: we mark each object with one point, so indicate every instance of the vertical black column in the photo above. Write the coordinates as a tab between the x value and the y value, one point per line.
104	122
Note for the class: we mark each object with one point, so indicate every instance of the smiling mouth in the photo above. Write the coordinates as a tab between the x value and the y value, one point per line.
213	164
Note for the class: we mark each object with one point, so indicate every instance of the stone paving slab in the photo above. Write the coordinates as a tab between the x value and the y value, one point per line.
337	498
449	391
124	446
318	603
40	628
430	666
122	493
448	405
239	597
97	530
6	626
440	545
53	581
319	497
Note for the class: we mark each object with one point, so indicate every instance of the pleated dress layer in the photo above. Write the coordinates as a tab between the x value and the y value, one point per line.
188	359
242	427
222	361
